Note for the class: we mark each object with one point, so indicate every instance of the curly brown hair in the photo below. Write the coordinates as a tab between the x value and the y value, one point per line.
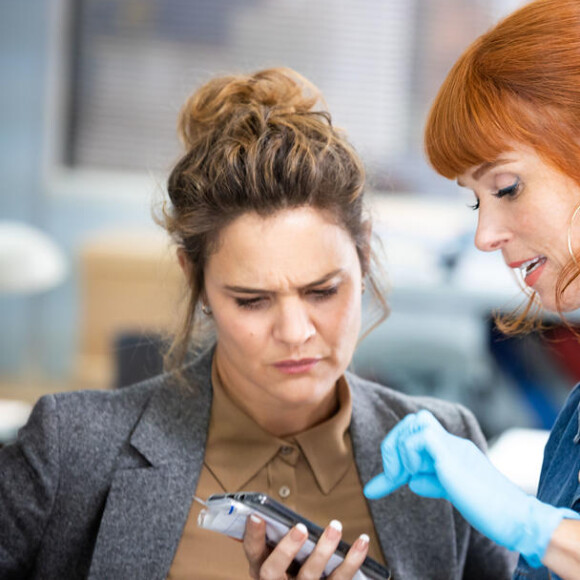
259	143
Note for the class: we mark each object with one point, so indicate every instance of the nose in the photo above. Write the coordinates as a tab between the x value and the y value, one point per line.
491	233
293	324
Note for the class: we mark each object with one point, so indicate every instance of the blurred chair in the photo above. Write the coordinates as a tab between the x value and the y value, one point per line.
137	357
444	356
131	294
30	263
13	415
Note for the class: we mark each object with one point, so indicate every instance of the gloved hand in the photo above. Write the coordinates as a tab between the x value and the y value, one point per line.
421	453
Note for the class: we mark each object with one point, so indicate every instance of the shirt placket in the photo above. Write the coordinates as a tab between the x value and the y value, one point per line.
282	480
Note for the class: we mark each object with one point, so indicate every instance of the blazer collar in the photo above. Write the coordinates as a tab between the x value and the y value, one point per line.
146	507
375	411
371	421
173	423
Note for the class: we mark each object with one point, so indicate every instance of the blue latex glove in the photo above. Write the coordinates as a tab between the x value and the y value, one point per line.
421	453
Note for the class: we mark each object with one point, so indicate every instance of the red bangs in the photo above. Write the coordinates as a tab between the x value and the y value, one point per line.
472	121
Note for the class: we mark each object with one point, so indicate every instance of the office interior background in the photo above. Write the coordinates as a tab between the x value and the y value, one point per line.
90	94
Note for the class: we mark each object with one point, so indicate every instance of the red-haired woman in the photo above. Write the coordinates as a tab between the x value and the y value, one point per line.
506	124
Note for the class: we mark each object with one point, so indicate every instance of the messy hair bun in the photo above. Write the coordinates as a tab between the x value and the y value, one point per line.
257	143
224	101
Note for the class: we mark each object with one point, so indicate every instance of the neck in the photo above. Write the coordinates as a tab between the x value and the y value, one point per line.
279	417
284	422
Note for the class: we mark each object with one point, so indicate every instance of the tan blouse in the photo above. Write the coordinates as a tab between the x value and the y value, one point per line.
312	473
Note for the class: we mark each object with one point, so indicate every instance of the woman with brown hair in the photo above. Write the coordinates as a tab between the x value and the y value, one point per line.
266	208
506	124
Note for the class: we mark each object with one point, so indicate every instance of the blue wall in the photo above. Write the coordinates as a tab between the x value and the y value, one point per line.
43	327
23	38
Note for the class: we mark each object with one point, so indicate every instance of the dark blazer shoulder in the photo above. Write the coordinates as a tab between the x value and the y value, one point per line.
96	416
93	426
102	405
102	410
407	524
379	403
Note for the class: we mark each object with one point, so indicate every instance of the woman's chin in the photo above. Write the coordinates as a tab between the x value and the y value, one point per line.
570	301
565	307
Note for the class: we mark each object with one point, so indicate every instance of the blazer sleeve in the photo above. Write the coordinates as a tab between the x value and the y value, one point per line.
29	479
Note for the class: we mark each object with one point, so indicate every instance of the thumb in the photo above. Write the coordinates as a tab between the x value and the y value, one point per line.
379	486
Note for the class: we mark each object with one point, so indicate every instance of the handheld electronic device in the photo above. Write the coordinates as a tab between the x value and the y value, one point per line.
226	513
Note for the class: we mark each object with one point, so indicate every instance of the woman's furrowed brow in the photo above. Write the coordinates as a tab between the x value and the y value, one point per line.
250	290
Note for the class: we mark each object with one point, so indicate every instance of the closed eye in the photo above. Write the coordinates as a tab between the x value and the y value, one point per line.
252	303
323	293
510	190
258	302
474	206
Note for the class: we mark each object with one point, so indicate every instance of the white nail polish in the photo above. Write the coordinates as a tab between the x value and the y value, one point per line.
364	538
336	525
255	519
302	528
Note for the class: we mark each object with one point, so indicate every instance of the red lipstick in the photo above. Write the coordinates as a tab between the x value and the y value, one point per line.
531	269
517	264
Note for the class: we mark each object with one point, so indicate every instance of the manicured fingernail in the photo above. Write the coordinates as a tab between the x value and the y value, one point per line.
255	519
298	532
334	530
362	542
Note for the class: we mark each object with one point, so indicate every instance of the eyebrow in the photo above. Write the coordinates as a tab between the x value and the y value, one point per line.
485	167
247	290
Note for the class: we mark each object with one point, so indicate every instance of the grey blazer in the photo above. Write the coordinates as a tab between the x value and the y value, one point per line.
99	485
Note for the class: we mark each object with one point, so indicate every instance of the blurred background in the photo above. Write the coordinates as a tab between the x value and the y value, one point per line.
90	94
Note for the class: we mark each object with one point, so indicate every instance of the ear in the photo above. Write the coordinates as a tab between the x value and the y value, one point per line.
182	259
187	269
184	263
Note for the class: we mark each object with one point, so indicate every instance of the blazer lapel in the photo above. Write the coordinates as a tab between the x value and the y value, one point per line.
147	507
372	418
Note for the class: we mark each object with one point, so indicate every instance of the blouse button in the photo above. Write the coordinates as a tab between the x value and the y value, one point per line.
286	450
284	491
579	477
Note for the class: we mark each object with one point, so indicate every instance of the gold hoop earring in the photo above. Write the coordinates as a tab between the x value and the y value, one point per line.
570	235
206	310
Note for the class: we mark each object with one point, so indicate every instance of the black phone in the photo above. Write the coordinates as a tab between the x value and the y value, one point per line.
227	512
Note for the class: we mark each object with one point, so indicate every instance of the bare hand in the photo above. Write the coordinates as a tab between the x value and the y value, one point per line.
272	564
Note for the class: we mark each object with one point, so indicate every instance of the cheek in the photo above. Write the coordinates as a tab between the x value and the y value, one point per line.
343	323
244	333
526	222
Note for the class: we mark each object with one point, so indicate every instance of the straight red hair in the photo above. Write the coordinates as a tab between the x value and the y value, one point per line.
519	83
